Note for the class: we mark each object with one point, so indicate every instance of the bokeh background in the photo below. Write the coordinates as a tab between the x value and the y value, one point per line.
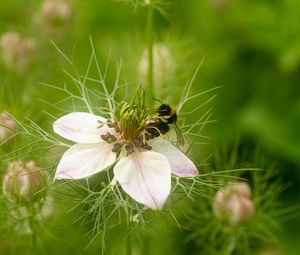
251	49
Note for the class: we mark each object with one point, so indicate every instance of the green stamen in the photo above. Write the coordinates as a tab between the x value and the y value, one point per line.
133	116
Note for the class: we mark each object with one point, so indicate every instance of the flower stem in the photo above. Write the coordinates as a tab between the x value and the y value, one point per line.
32	228
128	230
231	246
128	235
150	48
128	243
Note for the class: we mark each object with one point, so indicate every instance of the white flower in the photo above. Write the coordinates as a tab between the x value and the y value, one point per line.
144	173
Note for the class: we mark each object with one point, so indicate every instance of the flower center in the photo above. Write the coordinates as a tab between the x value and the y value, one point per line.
131	126
132	121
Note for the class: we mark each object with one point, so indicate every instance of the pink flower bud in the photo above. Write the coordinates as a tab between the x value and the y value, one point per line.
233	203
23	182
17	53
56	12
220	5
240	188
7	126
25	54
9	42
270	252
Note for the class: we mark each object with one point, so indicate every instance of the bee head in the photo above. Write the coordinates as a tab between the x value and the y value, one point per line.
168	112
163	110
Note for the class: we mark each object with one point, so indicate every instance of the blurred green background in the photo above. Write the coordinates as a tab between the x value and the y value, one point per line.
251	49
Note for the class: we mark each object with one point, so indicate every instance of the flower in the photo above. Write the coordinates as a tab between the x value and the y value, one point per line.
233	203
17	52
143	160
23	182
7	126
56	12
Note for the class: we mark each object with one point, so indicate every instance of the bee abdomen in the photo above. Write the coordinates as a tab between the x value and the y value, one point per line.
156	129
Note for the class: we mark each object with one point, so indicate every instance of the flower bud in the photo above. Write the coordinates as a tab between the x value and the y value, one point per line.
220	5
7	126
163	66
241	188
9	42
17	53
56	12
23	182
270	252
233	203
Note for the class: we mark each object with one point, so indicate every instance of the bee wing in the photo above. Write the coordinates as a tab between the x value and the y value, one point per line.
180	138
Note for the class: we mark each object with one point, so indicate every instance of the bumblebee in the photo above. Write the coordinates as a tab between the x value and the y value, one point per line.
168	113
159	125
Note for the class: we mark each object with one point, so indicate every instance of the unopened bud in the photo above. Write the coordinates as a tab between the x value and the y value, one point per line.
7	126
241	188
9	42
270	252
163	67
233	203
23	182
56	12
17	52
220	5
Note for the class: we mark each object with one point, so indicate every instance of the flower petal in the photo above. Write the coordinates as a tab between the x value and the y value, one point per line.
146	177
181	165
83	160
81	127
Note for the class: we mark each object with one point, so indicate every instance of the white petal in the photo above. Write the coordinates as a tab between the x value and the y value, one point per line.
83	160
81	127
146	177
181	165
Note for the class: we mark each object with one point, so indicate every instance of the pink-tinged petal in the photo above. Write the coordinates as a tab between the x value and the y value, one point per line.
181	165
81	127
83	160
146	177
